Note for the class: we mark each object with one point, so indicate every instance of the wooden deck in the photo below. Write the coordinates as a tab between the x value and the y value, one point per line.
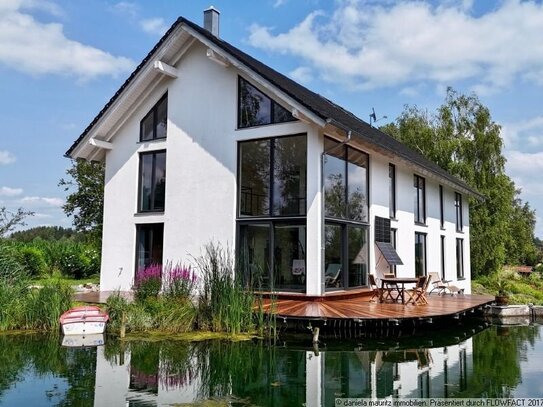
360	308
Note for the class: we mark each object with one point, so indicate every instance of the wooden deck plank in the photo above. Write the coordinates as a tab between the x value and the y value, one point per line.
361	308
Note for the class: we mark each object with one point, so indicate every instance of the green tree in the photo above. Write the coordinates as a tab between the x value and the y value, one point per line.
10	220
49	233
86	199
462	138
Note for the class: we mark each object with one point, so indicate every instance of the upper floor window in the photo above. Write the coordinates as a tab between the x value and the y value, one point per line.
458	209
420	199
345	182
460	258
256	109
273	177
153	125
152	181
441	207
392	190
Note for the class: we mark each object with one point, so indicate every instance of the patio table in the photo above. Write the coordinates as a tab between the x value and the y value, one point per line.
398	283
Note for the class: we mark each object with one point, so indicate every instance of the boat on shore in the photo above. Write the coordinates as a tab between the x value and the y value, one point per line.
84	320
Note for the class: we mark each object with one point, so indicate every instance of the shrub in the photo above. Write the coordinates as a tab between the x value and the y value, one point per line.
11	271
33	260
44	306
148	282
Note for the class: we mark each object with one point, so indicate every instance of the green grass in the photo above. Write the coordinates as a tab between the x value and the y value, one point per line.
94	279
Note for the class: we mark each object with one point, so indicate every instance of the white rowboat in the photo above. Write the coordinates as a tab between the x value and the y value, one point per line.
85	320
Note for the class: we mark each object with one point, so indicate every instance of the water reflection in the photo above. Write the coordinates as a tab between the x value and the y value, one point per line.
497	362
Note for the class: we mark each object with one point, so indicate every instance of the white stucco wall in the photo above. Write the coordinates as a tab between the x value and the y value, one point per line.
200	201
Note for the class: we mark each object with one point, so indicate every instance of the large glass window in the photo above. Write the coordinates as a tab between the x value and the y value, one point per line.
152	184
153	125
392	190
346	216
420	199
272	209
256	109
458	210
420	254
149	243
460	258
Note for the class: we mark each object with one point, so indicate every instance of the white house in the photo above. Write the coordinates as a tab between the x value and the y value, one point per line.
203	142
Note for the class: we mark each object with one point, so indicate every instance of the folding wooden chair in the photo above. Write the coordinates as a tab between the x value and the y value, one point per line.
376	291
417	295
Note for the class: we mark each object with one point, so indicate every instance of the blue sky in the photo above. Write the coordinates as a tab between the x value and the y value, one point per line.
61	61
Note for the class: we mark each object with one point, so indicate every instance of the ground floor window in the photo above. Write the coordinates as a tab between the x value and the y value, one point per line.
420	254
460	258
443	277
272	255
149	243
345	255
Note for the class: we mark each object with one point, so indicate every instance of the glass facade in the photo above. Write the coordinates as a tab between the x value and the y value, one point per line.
346	256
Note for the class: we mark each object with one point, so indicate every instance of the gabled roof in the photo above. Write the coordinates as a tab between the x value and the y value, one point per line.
322	107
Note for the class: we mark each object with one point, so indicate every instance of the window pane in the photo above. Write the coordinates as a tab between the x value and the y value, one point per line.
255	256
254	108
334	186
161	118
459	258
333	247
149	245
159	181
420	210
280	114
420	254
392	191
289	187
147	127
255	178
289	257
358	256
357	172
146	181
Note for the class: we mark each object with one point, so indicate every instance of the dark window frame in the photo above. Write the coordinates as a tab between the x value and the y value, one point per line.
154	113
420	190
425	252
441	208
392	191
139	228
460	259
273	106
443	254
345	222
153	187
458	209
269	219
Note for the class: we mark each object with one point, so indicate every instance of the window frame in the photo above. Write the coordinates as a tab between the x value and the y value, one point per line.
460	270
424	237
346	222
458	206
443	257
273	105
420	191
154	111
153	209
139	228
441	208
392	191
269	219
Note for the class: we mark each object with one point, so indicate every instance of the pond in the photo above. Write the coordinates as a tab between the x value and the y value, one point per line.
462	362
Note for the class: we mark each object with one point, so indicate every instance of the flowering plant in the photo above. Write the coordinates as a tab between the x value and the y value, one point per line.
148	282
179	281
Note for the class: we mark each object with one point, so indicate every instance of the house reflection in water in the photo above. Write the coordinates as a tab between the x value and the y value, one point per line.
266	375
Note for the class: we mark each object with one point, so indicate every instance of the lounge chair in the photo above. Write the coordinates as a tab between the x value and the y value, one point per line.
443	286
331	276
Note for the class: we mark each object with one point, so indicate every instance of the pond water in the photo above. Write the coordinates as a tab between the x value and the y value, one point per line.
463	362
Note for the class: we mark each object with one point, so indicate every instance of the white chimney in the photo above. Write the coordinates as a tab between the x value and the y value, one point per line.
211	20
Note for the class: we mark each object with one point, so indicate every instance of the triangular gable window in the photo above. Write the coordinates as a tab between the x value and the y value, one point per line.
257	109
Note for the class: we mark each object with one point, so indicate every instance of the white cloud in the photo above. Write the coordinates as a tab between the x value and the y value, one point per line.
126	8
279	3
7	191
154	26
31	200
39	48
528	132
524	163
6	157
303	74
373	44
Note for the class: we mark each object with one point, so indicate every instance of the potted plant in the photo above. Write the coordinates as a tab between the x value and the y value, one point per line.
502	285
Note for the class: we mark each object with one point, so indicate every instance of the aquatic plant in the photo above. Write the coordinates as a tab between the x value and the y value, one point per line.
179	281
148	282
